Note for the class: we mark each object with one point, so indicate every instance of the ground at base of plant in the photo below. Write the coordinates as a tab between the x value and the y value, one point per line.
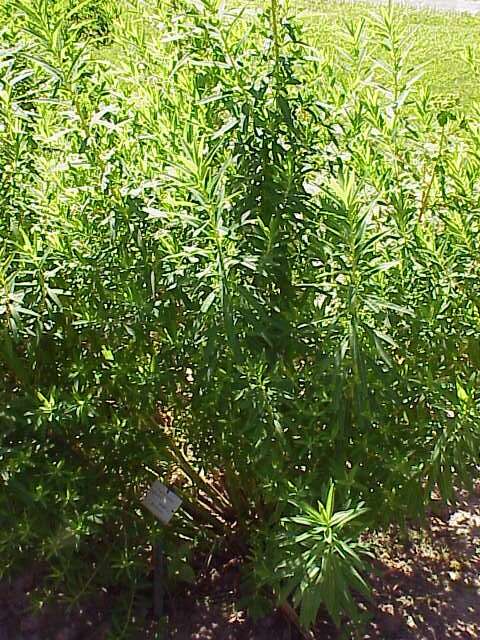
425	585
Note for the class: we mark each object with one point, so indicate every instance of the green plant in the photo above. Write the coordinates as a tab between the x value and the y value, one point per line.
314	560
237	262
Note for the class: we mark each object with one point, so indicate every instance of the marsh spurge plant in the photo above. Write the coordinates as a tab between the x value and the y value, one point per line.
241	264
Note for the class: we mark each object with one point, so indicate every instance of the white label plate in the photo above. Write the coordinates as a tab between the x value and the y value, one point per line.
161	502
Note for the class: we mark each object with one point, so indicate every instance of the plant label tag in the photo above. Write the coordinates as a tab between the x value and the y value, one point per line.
161	502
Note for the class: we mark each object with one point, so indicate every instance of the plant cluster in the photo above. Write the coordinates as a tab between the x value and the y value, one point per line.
237	263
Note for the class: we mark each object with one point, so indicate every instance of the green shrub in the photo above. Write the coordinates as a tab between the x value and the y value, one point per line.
227	257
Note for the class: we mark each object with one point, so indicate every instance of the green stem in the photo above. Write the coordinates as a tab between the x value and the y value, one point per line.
233	488
426	194
276	45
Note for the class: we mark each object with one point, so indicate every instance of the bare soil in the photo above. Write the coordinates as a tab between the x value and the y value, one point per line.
425	587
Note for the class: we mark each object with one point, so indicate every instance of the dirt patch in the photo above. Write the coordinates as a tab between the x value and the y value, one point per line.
425	587
211	610
429	587
20	621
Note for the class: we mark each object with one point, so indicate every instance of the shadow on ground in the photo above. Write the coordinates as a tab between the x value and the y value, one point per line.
427	588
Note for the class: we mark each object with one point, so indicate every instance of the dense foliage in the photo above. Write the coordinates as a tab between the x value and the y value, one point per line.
239	264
